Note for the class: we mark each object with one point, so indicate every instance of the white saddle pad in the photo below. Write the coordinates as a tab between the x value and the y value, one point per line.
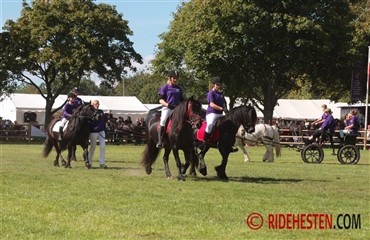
58	124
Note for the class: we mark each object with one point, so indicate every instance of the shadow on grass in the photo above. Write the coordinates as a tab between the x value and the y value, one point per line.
259	180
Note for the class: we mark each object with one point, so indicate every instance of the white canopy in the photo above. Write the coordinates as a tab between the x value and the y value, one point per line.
14	107
300	109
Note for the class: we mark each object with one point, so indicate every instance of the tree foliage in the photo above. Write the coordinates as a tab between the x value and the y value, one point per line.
58	42
263	49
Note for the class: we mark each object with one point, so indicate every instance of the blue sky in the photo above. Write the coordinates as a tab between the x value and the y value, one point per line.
147	19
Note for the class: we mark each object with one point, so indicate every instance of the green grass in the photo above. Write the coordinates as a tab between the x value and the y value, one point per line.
40	201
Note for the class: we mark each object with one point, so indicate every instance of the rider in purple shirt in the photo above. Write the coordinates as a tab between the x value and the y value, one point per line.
329	124
170	95
67	112
216	105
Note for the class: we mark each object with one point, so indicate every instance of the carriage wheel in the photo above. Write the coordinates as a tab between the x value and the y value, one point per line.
348	154
312	153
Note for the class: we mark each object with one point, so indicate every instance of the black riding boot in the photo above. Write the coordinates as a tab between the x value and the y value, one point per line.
60	133
160	137
205	139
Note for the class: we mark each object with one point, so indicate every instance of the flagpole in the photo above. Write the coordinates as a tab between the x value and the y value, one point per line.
367	99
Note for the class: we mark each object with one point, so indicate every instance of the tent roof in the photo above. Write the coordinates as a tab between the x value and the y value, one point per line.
35	102
300	108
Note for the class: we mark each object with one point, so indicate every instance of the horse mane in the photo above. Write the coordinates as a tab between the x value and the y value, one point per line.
234	115
178	116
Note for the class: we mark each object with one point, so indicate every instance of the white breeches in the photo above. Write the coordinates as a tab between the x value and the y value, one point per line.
211	119
165	113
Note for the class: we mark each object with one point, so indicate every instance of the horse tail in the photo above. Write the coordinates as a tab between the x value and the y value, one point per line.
150	153
277	141
48	146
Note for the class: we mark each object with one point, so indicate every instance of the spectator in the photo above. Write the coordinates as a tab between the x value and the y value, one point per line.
352	125
97	132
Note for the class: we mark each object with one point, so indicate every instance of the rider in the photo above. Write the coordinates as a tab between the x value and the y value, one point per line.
216	105
170	95
328	125
67	112
78	101
319	121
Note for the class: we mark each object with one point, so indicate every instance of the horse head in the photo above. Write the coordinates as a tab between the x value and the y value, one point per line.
193	113
250	118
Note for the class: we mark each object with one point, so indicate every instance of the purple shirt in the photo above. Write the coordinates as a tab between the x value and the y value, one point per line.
78	102
217	98
172	94
98	124
356	124
329	123
68	110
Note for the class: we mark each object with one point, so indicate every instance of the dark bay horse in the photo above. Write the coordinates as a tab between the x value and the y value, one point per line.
76	133
179	135
223	136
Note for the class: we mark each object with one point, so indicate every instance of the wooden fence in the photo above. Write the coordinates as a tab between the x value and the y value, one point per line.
289	137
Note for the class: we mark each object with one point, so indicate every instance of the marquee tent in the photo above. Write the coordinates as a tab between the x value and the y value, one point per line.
292	109
15	106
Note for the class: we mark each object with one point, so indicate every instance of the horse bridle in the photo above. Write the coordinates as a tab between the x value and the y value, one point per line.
194	119
248	125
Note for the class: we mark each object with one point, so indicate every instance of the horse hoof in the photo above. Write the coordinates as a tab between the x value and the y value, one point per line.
181	178
148	170
88	166
203	170
221	174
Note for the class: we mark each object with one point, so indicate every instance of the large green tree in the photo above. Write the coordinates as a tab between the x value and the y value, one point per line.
262	49
58	42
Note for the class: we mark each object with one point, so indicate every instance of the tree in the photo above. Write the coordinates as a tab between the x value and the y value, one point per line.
58	42
262	48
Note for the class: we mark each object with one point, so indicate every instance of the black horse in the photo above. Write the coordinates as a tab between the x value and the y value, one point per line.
76	133
223	136
179	135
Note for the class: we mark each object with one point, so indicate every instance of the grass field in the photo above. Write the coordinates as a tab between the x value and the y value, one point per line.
40	201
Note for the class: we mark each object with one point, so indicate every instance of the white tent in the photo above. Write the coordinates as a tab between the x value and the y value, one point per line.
15	106
292	109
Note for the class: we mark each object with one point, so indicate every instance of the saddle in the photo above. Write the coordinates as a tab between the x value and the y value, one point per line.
215	135
58	124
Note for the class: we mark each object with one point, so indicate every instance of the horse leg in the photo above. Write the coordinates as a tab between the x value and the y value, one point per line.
73	157
166	155
85	155
189	161
56	161
267	156
221	169
178	164
68	164
202	163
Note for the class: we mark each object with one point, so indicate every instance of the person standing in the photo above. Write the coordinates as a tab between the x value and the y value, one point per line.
170	95
97	132
67	112
216	104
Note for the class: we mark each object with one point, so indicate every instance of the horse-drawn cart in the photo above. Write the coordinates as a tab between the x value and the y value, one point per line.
348	152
